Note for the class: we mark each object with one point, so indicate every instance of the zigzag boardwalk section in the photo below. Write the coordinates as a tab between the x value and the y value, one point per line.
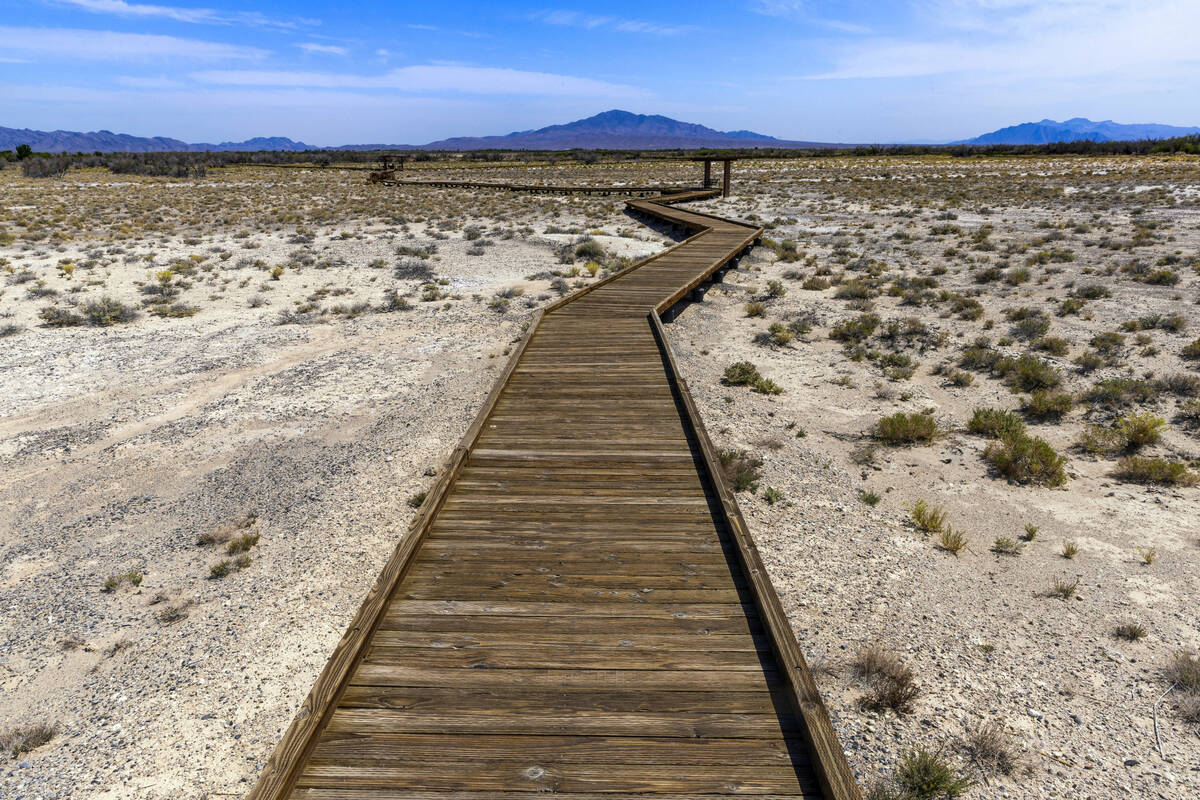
578	608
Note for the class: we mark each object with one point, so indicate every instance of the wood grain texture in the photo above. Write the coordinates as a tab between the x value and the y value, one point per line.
578	606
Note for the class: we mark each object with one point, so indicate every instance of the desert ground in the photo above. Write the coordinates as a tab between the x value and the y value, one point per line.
223	396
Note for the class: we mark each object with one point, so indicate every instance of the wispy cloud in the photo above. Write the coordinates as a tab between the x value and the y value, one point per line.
1021	39
206	16
431	78
578	19
325	49
74	44
800	11
144	82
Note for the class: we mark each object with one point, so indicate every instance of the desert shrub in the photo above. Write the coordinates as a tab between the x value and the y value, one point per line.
1191	351
995	423
1095	291
1180	384
744	373
855	289
1140	429
1130	631
854	330
1119	392
755	309
1189	413
1027	459
775	289
1072	305
392	301
1028	373
779	334
1031	327
1045	404
19	740
55	317
952	541
413	270
1139	469
1108	343
1098	440
106	311
44	167
992	749
930	519
891	683
905	429
741	469
1184	671
1055	345
741	373
1090	361
815	284
1007	546
925	775
590	250
979	356
898	366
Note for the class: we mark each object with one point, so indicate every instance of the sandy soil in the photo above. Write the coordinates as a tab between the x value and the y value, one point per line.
124	446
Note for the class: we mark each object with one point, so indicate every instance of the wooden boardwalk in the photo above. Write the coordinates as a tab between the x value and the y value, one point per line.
578	608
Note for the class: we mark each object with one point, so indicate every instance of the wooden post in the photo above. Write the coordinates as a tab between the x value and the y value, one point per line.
725	188
707	173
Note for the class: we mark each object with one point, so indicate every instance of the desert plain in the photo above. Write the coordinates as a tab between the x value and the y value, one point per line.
967	445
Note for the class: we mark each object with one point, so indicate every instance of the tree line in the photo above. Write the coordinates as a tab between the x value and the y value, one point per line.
195	165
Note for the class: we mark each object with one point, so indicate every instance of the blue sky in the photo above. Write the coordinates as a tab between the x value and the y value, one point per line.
377	72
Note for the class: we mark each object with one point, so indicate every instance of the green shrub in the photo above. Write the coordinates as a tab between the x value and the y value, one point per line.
1027	459
755	309
740	469
1031	327
927	776
1119	392
854	289
1098	440
1139	469
931	519
995	423
1054	345
107	311
905	429
590	250
855	330
779	334
1045	404
741	373
744	373
1191	351
1140	429
56	317
775	289
1028	373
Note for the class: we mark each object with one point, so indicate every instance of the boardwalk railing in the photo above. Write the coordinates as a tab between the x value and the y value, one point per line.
578	606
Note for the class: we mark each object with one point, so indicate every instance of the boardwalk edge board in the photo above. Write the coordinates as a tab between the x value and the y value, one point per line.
280	775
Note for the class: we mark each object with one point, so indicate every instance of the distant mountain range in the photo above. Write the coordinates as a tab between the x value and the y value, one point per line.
1077	130
615	130
109	142
618	130
611	130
